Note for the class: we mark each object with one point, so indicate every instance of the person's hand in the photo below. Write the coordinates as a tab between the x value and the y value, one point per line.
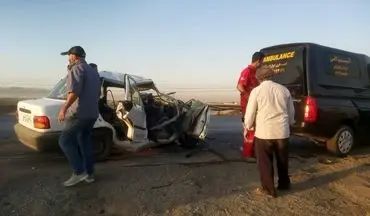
62	115
253	126
245	133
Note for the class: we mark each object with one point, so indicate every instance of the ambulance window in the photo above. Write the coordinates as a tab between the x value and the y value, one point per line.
343	66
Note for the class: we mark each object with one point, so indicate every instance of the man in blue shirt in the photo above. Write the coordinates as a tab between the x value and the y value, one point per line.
83	84
95	66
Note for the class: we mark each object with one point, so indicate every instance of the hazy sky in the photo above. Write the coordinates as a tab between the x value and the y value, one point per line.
185	44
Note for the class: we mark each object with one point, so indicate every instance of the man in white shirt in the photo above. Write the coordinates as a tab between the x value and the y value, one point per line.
270	109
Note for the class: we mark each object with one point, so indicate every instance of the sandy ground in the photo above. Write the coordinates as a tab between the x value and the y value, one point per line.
164	182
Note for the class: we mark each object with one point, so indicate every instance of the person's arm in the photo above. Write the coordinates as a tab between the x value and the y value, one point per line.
243	81
251	111
291	111
241	88
74	86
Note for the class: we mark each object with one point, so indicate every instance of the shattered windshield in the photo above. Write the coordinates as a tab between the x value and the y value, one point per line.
59	91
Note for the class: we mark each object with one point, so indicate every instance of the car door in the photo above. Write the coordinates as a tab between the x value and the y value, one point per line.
137	114
199	115
202	121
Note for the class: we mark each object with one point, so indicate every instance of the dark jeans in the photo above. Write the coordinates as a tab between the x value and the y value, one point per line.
266	149
76	144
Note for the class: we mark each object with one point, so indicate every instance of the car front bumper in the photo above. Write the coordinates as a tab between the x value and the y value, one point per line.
36	140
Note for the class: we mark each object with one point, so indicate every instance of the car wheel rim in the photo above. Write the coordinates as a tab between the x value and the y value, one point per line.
345	142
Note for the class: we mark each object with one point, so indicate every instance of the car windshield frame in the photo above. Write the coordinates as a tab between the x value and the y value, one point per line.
59	91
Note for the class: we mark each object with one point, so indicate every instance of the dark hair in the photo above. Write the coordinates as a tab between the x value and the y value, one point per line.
93	65
257	56
264	73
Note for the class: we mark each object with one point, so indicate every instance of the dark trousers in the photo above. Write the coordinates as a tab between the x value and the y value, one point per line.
266	149
75	141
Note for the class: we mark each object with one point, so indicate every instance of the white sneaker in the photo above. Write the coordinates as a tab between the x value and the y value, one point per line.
90	179
75	179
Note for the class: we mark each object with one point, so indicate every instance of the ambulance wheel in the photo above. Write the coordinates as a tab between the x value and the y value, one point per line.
342	143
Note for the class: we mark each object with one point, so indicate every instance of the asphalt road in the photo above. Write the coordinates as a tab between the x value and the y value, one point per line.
219	124
225	134
222	130
6	126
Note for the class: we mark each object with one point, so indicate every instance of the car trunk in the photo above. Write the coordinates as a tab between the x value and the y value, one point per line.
289	64
40	114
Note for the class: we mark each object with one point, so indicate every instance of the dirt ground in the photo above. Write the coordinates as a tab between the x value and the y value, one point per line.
165	182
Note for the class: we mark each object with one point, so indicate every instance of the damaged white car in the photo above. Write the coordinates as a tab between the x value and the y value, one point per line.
139	116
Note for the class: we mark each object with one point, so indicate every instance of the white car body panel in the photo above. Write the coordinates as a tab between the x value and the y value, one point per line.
201	128
40	107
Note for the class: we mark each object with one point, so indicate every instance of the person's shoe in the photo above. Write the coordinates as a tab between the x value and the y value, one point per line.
250	160
283	187
90	179
75	179
264	192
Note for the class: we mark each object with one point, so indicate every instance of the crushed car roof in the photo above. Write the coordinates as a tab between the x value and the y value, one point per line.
119	78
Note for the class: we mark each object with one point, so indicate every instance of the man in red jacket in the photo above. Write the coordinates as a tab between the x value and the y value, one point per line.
247	82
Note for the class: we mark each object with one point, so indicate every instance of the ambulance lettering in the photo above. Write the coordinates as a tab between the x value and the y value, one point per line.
280	56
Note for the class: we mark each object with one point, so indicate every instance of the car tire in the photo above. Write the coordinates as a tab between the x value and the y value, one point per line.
102	144
189	142
342	143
